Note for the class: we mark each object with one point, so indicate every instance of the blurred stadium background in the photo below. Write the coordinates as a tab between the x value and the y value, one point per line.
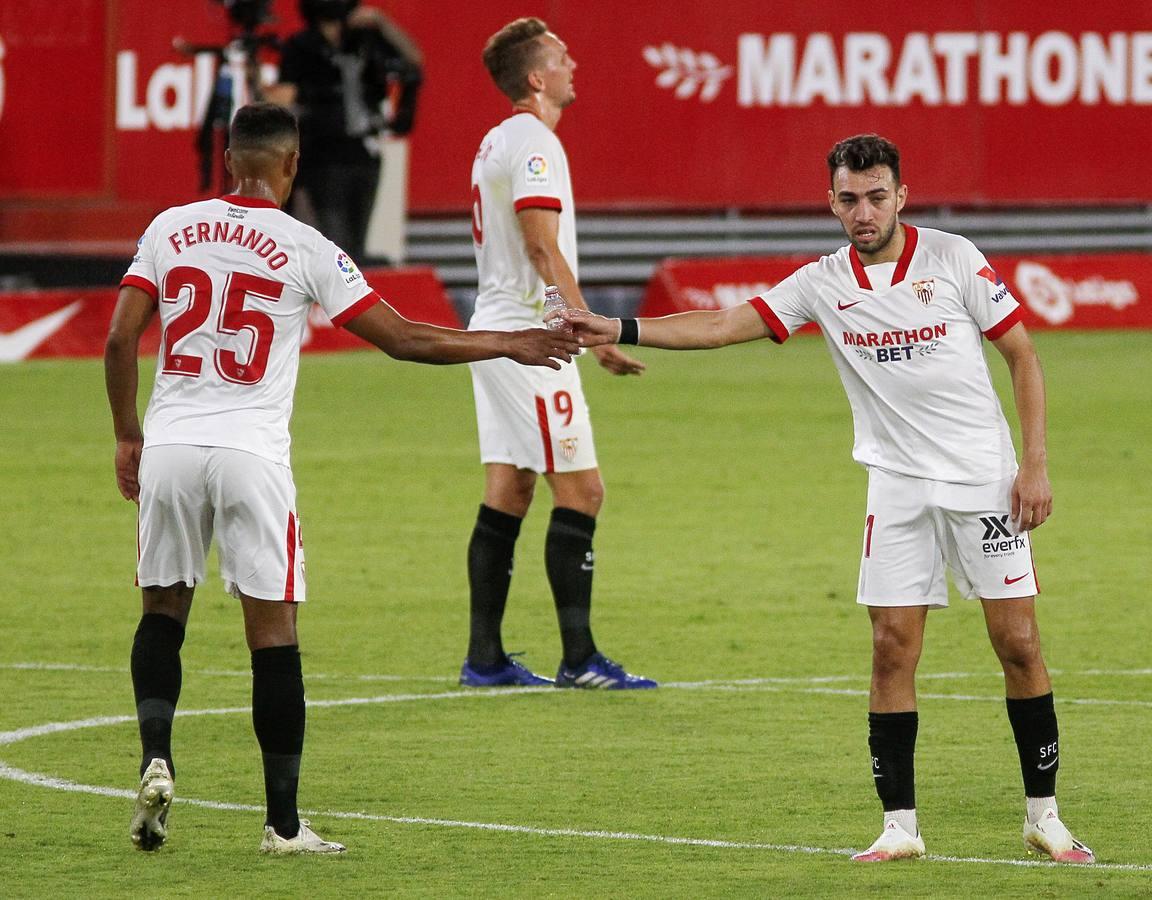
699	133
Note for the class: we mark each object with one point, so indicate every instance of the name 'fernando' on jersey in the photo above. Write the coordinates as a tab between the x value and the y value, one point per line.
521	164
234	279
906	340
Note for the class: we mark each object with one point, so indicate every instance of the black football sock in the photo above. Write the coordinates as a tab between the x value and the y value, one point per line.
278	718
568	558
490	555
892	740
1038	742
156	677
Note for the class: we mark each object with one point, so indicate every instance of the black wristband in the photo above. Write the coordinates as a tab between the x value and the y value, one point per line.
629	332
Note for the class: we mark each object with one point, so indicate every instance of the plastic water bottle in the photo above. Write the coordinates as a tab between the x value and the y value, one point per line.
553	299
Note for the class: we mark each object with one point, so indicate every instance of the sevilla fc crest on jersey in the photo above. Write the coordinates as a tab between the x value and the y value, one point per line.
923	290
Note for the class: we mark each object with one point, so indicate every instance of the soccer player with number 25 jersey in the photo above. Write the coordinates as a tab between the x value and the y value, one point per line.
233	279
904	312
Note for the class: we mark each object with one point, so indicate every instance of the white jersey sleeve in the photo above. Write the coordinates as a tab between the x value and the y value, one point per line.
986	296
331	278
142	272
786	307
537	170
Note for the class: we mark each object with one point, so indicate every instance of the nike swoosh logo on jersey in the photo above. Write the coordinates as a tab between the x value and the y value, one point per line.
843	306
1008	580
1044	767
18	344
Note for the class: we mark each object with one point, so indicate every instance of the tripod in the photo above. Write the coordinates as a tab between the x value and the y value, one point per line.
235	81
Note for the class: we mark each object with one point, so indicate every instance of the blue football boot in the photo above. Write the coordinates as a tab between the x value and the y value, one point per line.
598	671
511	674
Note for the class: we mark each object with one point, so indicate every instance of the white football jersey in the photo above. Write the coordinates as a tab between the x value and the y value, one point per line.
234	278
906	339
520	165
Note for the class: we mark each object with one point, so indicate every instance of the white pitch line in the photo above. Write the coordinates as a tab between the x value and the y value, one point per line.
750	685
221	673
11	773
61	784
447	679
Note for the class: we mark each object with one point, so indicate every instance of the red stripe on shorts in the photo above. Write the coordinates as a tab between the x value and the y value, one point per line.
136	581
1035	574
290	580
545	433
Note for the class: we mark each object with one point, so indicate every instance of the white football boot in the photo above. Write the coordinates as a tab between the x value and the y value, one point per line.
1051	837
149	827
306	841
894	843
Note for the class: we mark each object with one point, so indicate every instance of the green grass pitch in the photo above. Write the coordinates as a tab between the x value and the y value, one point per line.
726	567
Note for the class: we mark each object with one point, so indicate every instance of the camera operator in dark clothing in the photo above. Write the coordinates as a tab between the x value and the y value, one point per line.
336	73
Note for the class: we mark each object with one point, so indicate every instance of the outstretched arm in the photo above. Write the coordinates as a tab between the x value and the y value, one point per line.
404	339
1031	492
134	310
697	330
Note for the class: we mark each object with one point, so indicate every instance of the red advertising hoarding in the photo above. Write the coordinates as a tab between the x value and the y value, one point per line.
1074	292
1099	290
685	105
44	324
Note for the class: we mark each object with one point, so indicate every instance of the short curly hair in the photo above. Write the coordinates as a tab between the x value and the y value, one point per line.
511	53
863	151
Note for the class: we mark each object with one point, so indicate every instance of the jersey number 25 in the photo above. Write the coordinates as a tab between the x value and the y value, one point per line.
233	319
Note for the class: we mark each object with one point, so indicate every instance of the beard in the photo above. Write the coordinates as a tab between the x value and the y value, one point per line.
878	243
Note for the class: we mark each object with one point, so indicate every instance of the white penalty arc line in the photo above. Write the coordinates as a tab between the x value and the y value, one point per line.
60	784
441	679
11	773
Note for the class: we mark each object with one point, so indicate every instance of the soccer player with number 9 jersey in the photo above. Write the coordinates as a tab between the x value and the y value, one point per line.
532	423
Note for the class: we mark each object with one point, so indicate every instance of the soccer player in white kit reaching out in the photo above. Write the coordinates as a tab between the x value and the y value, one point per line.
233	279
903	311
532	424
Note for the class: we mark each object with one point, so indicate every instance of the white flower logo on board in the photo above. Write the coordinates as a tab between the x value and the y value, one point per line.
688	73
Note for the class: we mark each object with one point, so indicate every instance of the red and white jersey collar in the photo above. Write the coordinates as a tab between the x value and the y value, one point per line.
910	240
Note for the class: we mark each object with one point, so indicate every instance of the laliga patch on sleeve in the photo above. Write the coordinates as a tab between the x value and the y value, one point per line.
536	170
347	268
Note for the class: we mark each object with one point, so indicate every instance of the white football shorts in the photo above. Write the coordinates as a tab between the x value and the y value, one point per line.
532	417
187	493
914	527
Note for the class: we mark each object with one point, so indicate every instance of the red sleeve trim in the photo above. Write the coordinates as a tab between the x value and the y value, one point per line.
779	332
538	203
364	303
142	283
1001	327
